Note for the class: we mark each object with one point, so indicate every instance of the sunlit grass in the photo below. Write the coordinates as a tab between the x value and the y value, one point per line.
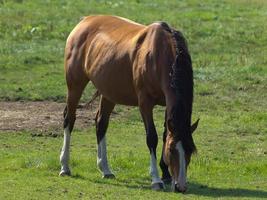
227	41
227	164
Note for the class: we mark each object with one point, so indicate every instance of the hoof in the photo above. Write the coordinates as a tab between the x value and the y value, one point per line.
64	173
157	186
108	176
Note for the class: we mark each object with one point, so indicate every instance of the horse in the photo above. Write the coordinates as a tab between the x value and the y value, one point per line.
134	65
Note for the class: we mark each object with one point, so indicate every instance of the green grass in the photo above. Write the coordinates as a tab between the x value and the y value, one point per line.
227	40
225	167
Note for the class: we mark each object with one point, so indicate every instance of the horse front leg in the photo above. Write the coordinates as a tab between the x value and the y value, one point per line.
166	177
146	110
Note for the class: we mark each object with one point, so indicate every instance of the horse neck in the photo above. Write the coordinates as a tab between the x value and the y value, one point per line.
170	100
173	104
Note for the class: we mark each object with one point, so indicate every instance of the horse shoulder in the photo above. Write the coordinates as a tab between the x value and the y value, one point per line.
153	60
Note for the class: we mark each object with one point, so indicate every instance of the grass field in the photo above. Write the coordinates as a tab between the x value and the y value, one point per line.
228	43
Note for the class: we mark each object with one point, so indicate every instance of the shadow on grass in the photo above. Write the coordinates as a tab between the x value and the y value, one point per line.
77	176
131	184
194	188
203	190
136	183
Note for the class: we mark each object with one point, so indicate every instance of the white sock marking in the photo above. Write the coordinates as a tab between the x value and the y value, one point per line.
153	169
102	161
65	152
182	170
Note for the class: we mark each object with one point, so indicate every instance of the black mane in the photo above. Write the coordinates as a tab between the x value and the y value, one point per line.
182	83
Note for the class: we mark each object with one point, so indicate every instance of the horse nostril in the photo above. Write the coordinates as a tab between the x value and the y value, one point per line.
178	188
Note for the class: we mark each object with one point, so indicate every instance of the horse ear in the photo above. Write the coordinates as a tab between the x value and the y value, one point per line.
194	126
170	125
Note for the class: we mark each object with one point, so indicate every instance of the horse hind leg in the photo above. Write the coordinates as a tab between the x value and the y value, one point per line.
75	90
102	120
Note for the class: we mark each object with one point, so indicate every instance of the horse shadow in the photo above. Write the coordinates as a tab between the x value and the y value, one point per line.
194	188
135	183
203	190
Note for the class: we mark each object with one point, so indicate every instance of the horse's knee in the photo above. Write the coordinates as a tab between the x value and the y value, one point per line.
152	140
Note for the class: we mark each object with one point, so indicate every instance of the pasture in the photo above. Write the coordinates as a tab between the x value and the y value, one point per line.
228	44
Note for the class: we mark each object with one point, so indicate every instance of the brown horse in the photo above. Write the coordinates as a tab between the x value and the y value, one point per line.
136	65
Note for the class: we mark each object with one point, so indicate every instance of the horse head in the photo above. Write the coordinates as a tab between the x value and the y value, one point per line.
178	157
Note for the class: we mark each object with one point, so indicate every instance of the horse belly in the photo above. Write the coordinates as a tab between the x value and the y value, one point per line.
115	82
119	96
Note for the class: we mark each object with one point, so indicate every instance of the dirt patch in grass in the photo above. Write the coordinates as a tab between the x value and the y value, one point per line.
41	117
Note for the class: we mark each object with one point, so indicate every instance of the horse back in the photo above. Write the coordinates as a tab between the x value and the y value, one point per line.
119	56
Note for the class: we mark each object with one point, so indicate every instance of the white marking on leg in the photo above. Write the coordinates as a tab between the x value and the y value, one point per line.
153	169
182	170
173	184
65	153
102	161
